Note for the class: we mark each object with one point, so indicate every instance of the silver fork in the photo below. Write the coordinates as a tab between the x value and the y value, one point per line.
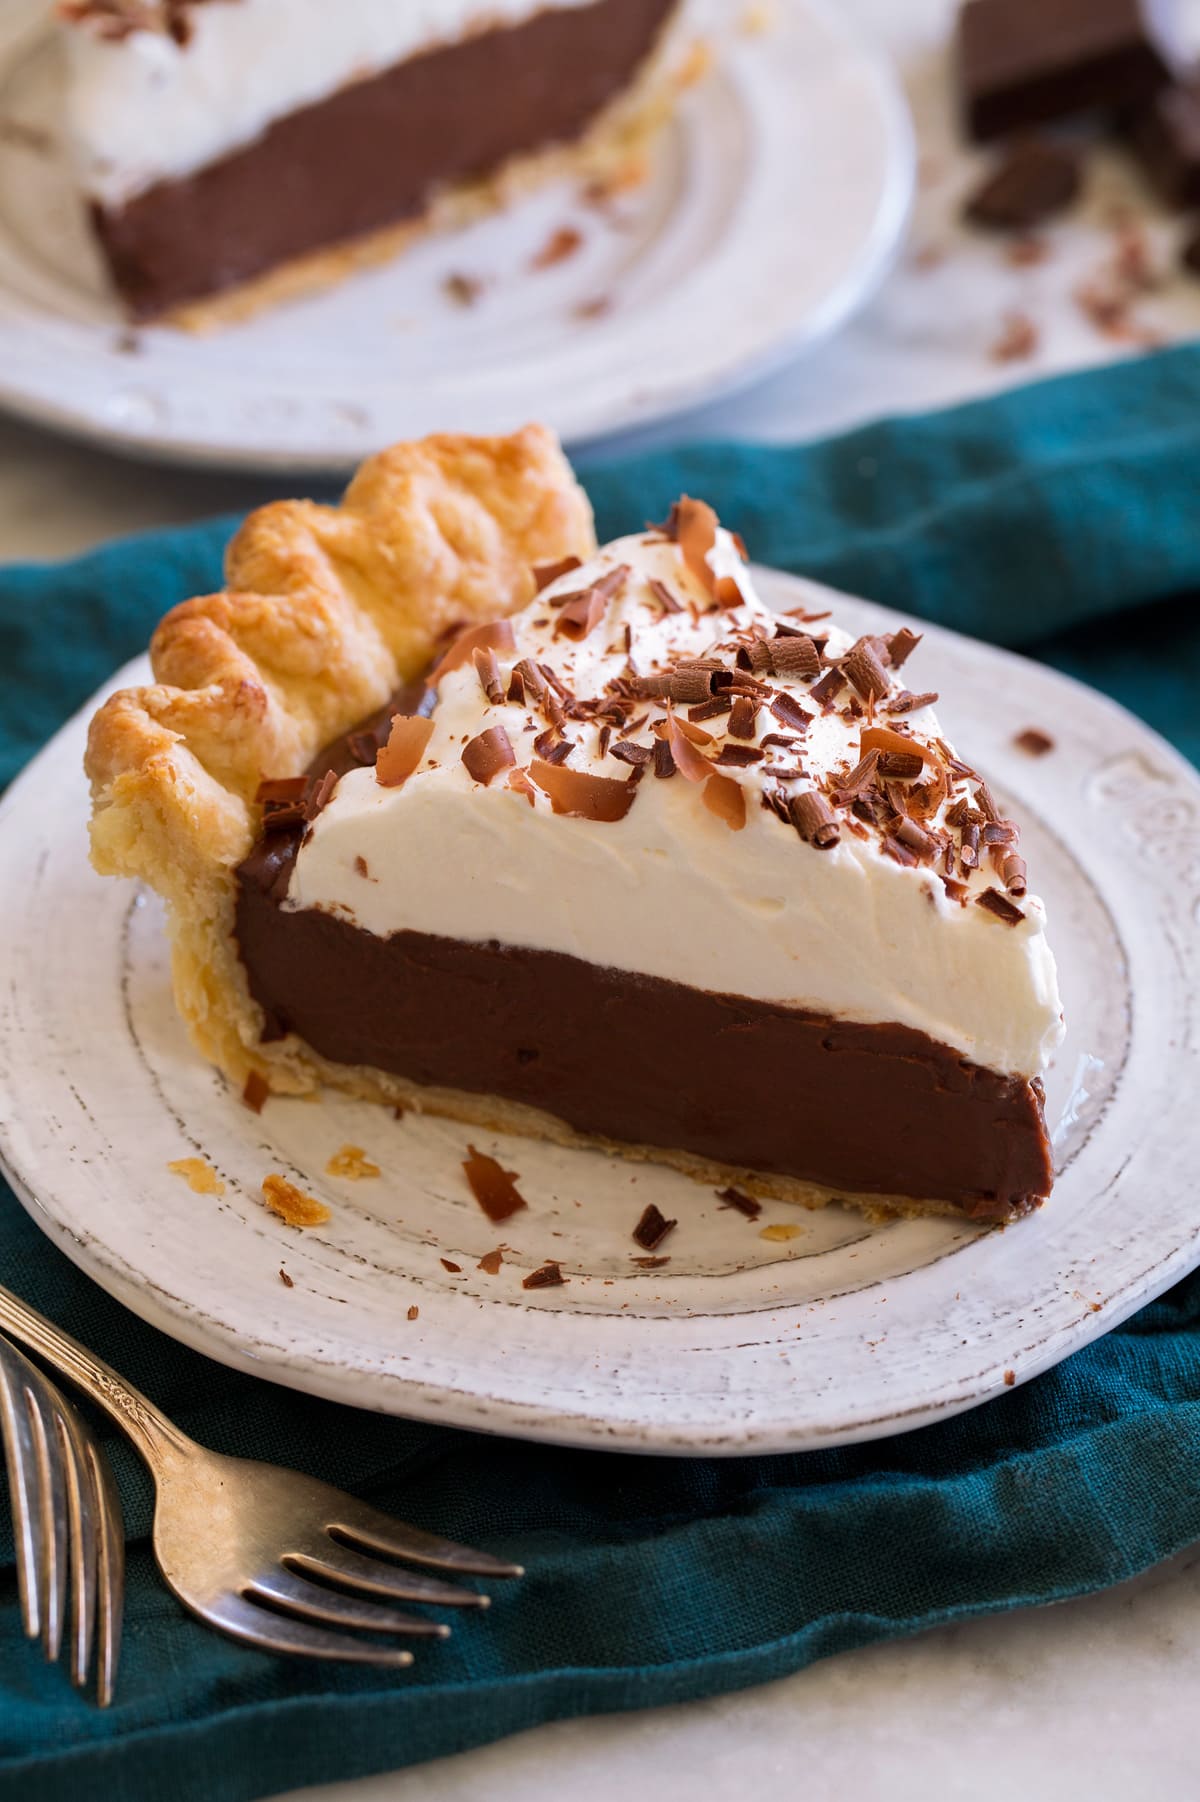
66	1523
266	1555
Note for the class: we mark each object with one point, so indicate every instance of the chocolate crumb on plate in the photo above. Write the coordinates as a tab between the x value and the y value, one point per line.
550	1276
652	1228
413	1312
651	1263
491	1261
746	1205
561	244
285	1279
255	1092
463	290
493	1187
454	1269
1010	1377
1035	179
1017	339
1034	742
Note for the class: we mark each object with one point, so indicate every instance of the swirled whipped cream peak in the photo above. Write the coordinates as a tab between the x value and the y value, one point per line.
649	770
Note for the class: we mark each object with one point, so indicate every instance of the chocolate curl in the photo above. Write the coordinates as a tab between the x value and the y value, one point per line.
544	574
583	796
488	671
893	744
688	760
496	635
814	820
407	740
727	799
693	526
487	754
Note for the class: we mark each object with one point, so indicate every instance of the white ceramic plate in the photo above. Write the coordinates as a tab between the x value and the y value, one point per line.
774	207
741	1343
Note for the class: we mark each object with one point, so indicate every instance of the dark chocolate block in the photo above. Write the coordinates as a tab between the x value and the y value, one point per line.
1023	62
1034	181
1166	137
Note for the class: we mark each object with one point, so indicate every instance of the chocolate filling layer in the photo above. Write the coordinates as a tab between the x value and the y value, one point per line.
871	1109
375	153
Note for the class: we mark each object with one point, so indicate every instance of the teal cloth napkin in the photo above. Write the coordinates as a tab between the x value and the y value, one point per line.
1062	519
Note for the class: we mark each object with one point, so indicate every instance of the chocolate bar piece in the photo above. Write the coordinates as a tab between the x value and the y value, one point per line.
1035	180
1023	62
1166	137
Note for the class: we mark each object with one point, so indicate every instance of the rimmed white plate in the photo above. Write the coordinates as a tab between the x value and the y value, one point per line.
747	1340
774	205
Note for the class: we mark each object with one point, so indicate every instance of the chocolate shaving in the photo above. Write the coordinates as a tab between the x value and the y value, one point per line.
892	744
909	703
625	752
916	839
496	635
518	781
712	710
652	1228
790	713
825	690
957	891
454	1269
727	799
693	527
487	754
864	672
787	740
493	1188
814	820
993	902
320	795
584	796
858	781
407	741
900	852
742	1204
544	574
742	718
901	646
901	764
550	1276
664	763
552	747
663	596
491	1261
255	1092
488	671
650	1263
690	762
739	757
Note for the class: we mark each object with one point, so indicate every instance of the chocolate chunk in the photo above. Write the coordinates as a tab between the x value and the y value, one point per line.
993	902
1165	134
1022	62
742	1204
1034	742
652	1228
739	757
1035	180
550	1276
487	754
742	717
493	1188
814	820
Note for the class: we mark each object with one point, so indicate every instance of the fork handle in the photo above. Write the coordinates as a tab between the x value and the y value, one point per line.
151	1432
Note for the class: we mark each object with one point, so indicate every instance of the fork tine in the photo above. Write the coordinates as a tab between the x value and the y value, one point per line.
334	1608
53	1508
348	1568
110	1573
368	1530
271	1632
21	1463
82	1530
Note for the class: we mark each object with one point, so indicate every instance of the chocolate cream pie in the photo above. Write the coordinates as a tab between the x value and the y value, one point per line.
455	811
236	152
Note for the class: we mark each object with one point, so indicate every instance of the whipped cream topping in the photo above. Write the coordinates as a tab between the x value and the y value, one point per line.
721	888
143	107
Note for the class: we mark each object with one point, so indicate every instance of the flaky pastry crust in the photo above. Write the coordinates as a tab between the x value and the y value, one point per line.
326	610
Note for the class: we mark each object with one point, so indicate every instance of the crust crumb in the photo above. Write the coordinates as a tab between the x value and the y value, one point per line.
780	1233
200	1177
351	1162
292	1205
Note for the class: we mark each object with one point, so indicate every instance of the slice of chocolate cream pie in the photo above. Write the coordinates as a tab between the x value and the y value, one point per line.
453	810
